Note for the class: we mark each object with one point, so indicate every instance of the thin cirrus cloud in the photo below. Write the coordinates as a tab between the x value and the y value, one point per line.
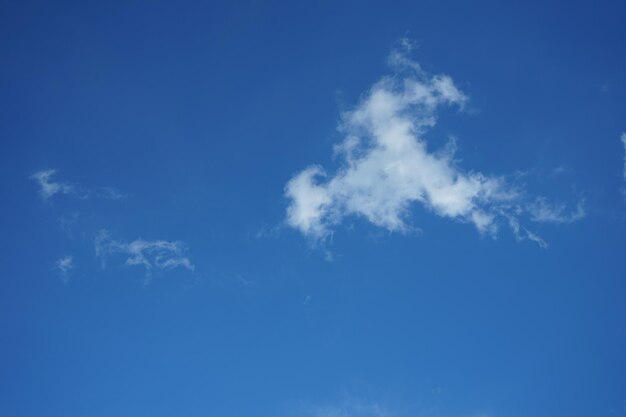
49	186
65	266
544	212
386	167
355	407
150	254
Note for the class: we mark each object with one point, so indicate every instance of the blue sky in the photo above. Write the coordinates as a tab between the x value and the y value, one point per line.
330	209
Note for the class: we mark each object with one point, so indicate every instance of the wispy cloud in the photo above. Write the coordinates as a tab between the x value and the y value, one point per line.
357	407
522	233
65	266
542	211
108	193
151	254
386	166
351	408
48	186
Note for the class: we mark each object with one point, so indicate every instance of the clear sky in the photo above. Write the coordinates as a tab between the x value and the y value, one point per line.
312	209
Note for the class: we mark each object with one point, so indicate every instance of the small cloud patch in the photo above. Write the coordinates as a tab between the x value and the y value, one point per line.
159	255
48	186
65	266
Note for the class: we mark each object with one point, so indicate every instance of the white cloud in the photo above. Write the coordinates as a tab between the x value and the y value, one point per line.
48	187
65	266
107	193
151	254
521	233
542	211
386	166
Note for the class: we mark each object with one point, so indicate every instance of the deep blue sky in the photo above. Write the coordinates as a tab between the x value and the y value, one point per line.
174	128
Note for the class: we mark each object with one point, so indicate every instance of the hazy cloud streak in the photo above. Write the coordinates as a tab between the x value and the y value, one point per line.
151	254
49	187
65	266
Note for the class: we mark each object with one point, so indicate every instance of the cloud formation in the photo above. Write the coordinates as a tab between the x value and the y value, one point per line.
48	186
522	233
65	265
386	167
544	212
151	254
